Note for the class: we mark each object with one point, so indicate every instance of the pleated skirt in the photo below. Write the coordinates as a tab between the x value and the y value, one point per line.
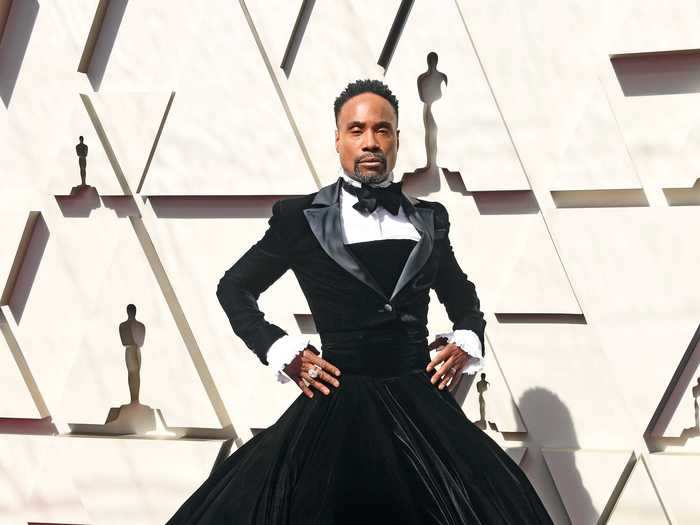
384	447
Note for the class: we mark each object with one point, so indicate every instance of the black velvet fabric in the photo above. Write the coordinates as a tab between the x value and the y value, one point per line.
305	236
385	447
384	259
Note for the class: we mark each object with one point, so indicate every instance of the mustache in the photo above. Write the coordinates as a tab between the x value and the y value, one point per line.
371	156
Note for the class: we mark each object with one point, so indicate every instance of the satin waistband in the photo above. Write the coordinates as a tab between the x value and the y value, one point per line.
376	354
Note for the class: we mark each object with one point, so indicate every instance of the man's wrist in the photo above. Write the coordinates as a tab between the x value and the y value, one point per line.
283	351
470	343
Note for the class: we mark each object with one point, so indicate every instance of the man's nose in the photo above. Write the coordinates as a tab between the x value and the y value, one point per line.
370	142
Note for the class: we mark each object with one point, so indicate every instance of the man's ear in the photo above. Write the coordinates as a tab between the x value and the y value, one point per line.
337	138
397	139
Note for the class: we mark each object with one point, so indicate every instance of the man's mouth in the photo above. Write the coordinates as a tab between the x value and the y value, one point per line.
372	162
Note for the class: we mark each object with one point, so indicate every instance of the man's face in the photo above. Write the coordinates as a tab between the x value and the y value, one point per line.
367	138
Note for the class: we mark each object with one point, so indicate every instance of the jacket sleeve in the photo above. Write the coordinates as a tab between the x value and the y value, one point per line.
241	285
455	291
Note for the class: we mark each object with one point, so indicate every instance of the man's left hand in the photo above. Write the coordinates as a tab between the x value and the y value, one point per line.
453	360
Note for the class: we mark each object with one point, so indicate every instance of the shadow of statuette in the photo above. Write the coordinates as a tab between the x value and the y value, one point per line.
84	198
422	182
667	430
481	387
429	91
134	417
694	431
426	179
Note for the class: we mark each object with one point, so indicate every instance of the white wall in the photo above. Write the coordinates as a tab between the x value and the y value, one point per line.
573	204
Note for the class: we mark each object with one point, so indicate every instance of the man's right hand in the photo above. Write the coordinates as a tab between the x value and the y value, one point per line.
299	368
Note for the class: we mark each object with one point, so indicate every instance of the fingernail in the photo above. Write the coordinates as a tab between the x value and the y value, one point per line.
337	372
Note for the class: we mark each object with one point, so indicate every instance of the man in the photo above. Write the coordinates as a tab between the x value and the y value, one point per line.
386	443
306	234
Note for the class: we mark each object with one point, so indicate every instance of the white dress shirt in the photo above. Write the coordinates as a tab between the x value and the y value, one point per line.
359	227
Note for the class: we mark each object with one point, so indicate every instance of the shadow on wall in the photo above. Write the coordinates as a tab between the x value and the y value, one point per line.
549	424
426	179
14	39
302	21
27	262
658	73
100	42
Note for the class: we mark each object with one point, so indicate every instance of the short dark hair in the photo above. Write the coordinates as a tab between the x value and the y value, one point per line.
365	86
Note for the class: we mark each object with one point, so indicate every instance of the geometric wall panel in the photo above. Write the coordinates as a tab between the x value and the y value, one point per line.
325	62
550	368
226	131
666	149
98	481
676	420
16	228
660	132
548	87
471	136
196	251
54	496
509	256
16	400
132	122
638	503
634	271
68	327
499	407
21	458
45	91
148	479
592	304
676	476
52	155
586	480
141	481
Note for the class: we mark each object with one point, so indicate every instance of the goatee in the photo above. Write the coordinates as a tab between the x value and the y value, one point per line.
372	178
375	178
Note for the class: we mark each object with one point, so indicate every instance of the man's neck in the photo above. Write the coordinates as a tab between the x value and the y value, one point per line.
386	182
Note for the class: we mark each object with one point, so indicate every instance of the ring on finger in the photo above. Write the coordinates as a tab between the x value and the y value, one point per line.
314	371
306	381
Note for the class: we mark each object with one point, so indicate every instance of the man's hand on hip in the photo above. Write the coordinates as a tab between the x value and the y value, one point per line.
298	371
453	360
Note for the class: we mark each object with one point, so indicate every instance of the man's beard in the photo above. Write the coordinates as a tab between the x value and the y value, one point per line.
373	178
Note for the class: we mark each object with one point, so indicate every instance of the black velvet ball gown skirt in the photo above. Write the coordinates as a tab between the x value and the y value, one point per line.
385	447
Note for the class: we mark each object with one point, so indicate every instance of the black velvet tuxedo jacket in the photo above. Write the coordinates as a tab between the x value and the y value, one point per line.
305	235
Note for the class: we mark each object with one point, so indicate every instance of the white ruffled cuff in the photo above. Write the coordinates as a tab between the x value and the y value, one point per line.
468	341
283	351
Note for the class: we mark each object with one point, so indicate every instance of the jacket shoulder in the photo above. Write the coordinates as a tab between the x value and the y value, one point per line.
290	206
440	214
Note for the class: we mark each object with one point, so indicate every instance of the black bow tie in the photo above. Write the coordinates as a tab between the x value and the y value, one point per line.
368	197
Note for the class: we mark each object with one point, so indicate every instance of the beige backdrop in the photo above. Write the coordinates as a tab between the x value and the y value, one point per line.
569	152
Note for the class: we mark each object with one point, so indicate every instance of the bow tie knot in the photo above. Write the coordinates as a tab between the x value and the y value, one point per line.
369	197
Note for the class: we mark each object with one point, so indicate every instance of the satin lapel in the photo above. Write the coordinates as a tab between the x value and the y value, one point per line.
325	225
423	220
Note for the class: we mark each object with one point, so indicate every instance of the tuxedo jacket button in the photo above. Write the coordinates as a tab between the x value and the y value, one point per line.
388	307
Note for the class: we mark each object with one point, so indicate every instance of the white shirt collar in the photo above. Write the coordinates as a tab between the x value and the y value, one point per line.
383	184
